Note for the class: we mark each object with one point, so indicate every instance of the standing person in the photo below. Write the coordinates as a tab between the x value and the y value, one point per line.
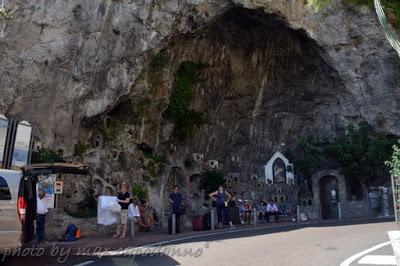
41	216
221	198
123	200
272	209
176	200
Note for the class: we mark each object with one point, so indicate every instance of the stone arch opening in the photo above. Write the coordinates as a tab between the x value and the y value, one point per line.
329	196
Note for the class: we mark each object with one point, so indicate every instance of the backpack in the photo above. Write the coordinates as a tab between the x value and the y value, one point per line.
70	233
78	233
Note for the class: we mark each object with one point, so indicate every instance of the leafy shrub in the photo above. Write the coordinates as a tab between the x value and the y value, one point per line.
140	192
79	149
46	156
394	165
394	162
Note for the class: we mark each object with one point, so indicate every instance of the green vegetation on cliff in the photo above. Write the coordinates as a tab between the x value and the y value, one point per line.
359	153
392	7
80	149
156	68
181	96
46	156
140	192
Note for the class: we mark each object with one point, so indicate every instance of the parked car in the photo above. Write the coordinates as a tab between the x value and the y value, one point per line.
18	200
10	226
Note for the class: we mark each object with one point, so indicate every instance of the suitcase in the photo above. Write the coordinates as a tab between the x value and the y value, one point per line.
207	221
198	223
234	215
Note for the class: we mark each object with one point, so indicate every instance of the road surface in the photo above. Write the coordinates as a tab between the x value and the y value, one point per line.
346	245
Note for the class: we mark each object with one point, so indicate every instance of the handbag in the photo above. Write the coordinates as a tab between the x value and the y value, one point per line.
182	210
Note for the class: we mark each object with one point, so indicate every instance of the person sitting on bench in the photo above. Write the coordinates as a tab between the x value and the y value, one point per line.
272	209
262	209
248	209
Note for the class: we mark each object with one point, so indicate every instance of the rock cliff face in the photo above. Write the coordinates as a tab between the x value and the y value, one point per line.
102	73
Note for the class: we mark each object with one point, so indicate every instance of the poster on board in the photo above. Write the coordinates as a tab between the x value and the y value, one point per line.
46	183
22	145
3	136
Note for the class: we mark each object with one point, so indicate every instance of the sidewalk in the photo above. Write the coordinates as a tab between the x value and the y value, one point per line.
146	238
161	235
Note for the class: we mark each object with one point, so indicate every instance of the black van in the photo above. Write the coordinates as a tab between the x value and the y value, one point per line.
25	208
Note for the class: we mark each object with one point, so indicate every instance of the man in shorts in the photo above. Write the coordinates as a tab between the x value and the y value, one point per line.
123	200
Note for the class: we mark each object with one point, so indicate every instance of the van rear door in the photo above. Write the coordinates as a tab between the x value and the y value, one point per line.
10	226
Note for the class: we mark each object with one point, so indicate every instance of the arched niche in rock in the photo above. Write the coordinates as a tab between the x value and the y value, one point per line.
279	170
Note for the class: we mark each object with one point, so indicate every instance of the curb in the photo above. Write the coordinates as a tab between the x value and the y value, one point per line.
394	237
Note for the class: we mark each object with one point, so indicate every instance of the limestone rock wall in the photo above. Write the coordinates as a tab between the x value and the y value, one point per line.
274	70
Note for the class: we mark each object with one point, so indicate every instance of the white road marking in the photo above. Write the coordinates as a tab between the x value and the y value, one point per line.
84	263
350	260
378	260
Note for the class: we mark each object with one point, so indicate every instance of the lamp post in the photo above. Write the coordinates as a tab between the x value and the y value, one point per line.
394	189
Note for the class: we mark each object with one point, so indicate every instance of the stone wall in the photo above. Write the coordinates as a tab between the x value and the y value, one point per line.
350	208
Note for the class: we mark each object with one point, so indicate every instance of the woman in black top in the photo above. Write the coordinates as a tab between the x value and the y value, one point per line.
123	200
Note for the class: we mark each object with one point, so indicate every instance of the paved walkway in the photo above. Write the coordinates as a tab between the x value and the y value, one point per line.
161	235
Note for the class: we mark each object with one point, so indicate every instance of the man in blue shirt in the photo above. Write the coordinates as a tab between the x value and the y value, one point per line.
176	200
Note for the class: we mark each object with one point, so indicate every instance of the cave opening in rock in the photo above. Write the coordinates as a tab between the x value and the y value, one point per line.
262	87
263	84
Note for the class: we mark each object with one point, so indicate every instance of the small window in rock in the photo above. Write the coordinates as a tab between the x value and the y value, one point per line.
309	202
4	190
